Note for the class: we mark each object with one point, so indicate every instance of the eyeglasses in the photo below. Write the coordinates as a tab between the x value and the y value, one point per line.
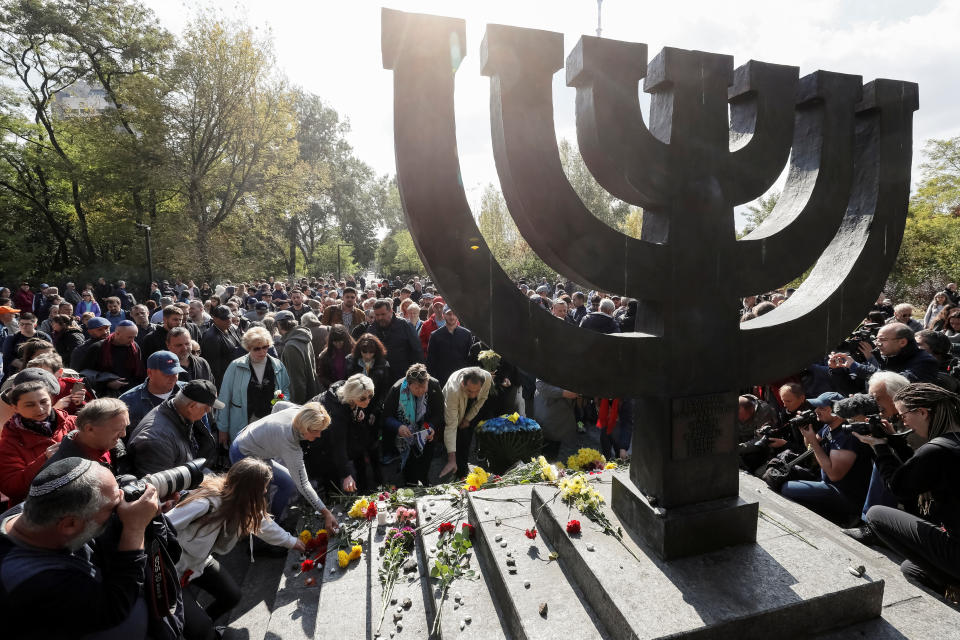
262	347
418	376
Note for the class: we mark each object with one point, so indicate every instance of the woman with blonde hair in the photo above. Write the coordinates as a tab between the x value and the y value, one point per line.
210	520
250	385
276	438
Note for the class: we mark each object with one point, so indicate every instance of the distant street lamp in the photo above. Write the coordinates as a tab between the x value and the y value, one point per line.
338	259
146	230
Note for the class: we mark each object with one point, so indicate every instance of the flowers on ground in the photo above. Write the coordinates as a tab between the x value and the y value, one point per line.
355	552
476	479
548	471
306	565
405	514
446	527
343	558
359	508
305	536
531	533
610	465
573	527
371	511
468	529
586	460
576	491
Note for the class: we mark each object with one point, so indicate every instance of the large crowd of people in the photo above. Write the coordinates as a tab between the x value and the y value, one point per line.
324	386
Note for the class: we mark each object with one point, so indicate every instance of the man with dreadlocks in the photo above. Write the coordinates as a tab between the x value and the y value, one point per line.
930	479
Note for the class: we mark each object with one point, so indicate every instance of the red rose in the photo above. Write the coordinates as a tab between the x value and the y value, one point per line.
306	565
531	533
468	529
573	527
371	511
446	527
471	488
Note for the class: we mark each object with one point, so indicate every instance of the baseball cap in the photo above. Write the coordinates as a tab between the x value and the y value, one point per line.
543	289
284	315
446	308
96	323
165	361
438	299
6	309
35	374
126	323
44	285
261	306
222	312
825	399
202	391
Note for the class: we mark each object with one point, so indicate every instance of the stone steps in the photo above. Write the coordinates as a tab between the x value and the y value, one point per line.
537	598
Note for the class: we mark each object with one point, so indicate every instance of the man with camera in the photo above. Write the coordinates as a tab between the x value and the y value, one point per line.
898	352
173	432
47	547
844	466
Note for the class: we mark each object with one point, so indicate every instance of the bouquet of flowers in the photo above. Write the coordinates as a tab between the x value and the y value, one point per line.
507	439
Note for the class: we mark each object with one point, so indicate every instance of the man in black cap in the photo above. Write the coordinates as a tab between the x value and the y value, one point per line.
173	433
47	545
220	344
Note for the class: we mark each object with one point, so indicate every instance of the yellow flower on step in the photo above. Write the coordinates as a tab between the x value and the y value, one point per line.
547	470
476	479
305	536
355	552
610	465
359	508
514	417
342	558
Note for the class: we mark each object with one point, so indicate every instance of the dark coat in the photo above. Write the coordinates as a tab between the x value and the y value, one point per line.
448	352
220	349
162	440
380	374
299	359
390	423
402	344
600	322
332	454
67	342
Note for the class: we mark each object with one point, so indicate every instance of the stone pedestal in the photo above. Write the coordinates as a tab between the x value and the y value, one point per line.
688	530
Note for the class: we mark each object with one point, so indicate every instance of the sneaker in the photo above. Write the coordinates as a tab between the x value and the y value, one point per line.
862	534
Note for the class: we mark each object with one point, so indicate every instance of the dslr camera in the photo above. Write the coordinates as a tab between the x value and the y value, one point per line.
167	482
763	441
866	332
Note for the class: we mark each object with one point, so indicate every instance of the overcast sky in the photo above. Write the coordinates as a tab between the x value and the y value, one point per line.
333	50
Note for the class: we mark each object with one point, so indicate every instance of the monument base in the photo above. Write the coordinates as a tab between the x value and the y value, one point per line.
786	584
679	532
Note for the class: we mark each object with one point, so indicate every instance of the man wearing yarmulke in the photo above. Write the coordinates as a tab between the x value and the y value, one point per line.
48	546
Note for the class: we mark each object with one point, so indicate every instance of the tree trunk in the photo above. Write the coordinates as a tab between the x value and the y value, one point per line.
292	262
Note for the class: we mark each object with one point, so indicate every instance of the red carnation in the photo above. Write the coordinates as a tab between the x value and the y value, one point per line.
446	527
468	529
573	527
531	533
306	565
371	511
471	488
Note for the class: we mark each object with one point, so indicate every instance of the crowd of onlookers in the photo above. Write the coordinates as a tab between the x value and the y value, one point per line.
322	387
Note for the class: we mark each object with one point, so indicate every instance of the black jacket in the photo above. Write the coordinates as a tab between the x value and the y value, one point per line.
390	422
600	322
448	352
380	374
332	454
402	343
220	349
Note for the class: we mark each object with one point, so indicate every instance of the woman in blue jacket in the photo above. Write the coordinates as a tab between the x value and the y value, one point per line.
250	385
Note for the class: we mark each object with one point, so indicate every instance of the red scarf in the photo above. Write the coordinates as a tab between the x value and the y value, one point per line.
134	363
607	413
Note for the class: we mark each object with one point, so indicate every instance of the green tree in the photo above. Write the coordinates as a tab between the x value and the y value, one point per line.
757	213
609	209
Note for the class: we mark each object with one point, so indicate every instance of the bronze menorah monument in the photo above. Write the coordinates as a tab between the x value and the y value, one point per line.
717	137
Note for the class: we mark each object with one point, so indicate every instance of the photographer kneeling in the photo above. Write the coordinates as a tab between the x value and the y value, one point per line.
844	467
55	580
931	480
211	520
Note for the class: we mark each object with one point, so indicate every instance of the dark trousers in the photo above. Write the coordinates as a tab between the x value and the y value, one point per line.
198	622
417	468
464	442
932	555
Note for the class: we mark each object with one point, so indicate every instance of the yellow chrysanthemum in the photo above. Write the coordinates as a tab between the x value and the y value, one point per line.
355	552
342	558
610	465
305	536
358	508
585	458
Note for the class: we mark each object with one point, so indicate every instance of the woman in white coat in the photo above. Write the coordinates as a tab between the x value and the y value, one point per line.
211	520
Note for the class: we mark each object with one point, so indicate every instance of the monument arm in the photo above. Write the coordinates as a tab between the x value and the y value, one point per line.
610	129
845	281
549	214
761	127
817	190
423	52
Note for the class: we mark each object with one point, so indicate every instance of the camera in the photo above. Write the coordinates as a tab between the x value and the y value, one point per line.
167	482
806	418
765	433
866	332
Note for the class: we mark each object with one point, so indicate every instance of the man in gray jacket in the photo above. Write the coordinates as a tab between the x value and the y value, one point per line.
172	433
298	357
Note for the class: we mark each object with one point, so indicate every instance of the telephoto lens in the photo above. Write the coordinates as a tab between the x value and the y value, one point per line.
167	482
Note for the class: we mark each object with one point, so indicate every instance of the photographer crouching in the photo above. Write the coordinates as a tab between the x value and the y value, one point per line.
844	466
930	479
56	581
